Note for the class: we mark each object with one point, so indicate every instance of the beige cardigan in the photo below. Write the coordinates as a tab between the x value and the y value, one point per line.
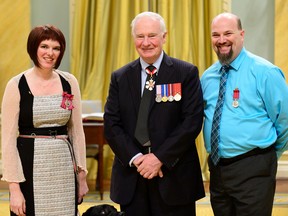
12	168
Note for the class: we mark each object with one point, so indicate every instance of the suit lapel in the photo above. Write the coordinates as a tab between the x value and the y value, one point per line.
134	82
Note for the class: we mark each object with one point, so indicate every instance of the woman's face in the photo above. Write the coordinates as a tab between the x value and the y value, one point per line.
48	53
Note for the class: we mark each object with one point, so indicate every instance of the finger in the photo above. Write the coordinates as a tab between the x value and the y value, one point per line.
160	173
15	211
138	160
20	211
148	175
24	208
152	175
142	173
80	200
140	168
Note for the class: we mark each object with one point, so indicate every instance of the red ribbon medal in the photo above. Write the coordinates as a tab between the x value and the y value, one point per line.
236	96
170	96
150	83
177	94
67	101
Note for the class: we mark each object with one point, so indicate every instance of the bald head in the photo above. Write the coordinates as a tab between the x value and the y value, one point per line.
227	37
229	16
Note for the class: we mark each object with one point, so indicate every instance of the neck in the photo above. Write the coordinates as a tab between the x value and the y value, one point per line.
44	74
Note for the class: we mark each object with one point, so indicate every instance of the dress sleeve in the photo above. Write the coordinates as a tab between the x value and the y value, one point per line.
12	167
75	126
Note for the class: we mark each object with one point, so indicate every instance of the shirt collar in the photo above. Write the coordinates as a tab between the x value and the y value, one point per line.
156	63
235	64
238	61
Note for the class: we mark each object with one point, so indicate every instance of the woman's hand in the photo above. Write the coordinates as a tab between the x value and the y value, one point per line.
17	200
82	186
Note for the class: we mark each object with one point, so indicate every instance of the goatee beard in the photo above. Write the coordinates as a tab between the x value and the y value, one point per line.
225	59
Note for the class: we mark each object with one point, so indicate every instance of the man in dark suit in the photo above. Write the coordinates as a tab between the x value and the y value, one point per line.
157	174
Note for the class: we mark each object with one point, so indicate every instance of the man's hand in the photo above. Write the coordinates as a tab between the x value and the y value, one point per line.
138	160
149	166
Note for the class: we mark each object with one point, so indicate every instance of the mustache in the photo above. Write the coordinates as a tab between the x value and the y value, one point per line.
219	44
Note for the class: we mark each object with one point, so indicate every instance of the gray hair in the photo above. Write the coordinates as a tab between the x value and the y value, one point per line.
154	16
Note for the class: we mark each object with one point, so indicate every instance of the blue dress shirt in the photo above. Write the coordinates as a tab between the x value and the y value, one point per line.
261	119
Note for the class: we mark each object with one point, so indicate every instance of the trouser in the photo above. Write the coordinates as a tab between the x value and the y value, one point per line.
245	187
147	201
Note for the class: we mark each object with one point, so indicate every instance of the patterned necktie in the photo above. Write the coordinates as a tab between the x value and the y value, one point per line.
141	131
215	136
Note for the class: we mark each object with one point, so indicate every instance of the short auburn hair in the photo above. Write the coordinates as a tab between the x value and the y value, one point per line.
41	33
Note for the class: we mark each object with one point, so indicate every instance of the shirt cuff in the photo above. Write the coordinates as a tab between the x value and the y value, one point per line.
133	158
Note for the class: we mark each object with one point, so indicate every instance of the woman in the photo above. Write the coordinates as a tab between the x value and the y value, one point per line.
43	143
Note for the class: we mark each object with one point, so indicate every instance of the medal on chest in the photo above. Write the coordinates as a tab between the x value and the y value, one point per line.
150	83
164	92
236	96
168	92
177	92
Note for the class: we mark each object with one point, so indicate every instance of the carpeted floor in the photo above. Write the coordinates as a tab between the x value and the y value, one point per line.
203	206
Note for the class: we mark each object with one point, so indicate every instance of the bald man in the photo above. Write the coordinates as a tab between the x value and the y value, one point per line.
245	126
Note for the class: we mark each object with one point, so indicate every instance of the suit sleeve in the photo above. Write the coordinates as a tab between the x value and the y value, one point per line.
116	131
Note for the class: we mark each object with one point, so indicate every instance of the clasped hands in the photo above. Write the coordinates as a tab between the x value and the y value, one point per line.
148	166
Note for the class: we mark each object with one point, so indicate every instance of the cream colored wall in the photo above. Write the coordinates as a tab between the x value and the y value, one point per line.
57	13
257	19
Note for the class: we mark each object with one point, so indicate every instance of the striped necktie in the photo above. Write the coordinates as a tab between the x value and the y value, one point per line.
215	135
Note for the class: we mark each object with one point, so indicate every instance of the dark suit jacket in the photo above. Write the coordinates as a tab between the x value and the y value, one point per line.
173	128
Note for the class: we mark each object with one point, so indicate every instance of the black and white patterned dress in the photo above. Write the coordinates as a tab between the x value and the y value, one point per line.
50	186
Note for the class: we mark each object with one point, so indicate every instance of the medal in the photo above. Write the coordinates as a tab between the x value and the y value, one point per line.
177	94
236	96
170	96
67	101
168	92
164	92
235	103
158	98
150	83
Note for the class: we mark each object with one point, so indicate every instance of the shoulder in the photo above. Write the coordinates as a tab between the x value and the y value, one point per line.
183	69
262	67
213	70
178	63
210	75
128	69
258	60
130	66
14	81
68	77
